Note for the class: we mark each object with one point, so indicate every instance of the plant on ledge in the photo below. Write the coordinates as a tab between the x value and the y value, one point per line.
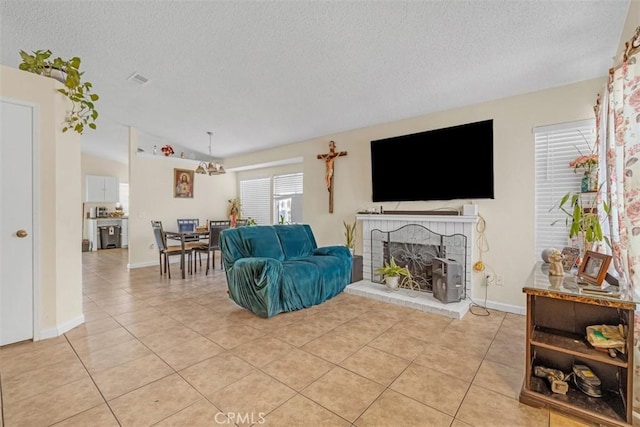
83	112
167	150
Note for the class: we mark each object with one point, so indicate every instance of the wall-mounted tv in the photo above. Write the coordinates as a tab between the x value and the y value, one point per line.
442	164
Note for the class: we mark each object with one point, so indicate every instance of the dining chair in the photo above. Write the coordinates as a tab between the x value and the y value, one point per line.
188	224
219	222
165	251
191	242
213	245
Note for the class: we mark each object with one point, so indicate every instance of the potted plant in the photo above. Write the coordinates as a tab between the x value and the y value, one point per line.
350	235
391	273
83	112
582	218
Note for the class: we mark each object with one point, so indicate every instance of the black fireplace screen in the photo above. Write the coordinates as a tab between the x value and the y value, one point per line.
414	246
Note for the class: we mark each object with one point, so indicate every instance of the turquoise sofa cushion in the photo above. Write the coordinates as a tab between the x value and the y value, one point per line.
296	240
261	242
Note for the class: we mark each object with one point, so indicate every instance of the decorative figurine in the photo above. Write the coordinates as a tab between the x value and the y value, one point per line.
555	268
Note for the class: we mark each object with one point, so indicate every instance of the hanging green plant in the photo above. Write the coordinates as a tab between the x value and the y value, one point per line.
83	112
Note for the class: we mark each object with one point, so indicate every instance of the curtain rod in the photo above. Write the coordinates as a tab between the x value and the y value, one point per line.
631	47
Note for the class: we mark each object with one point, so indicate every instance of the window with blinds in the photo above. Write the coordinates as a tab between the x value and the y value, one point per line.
287	197
555	147
255	197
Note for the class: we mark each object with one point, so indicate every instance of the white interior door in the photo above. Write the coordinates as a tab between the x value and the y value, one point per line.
16	222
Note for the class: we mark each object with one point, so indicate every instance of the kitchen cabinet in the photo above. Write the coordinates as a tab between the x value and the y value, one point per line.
102	189
558	313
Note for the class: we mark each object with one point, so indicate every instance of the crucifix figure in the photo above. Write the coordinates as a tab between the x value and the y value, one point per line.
329	158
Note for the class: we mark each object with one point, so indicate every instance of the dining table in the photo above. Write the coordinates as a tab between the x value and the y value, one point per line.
183	237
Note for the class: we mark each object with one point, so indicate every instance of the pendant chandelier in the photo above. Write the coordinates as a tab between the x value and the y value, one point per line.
210	168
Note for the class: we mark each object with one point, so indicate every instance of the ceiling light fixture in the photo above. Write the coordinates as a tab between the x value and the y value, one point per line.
211	168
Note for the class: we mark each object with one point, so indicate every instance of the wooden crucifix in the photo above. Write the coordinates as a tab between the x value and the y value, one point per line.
329	158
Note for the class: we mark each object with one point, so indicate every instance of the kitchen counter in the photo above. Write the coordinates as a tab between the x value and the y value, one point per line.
93	234
110	218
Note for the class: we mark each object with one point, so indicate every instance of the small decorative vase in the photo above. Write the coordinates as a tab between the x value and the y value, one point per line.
588	182
392	282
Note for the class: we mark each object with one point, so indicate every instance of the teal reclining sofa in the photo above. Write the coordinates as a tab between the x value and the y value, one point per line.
278	268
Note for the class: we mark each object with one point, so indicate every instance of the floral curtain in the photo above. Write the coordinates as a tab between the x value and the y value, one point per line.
618	128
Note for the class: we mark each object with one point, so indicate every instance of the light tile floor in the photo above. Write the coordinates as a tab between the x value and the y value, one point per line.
155	351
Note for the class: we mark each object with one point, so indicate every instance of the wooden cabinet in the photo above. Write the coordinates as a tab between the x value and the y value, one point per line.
102	189
557	317
356	268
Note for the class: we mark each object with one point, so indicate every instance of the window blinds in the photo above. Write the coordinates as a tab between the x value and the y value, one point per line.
255	197
286	185
555	147
287	197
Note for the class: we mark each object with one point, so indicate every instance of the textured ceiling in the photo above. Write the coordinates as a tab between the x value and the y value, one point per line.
260	74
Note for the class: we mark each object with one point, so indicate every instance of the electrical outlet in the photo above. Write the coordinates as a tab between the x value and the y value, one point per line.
499	280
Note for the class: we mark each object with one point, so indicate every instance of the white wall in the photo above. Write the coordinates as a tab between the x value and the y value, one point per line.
510	218
151	198
58	198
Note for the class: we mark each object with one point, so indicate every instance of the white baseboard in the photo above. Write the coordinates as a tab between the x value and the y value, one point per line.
175	260
62	328
508	308
144	264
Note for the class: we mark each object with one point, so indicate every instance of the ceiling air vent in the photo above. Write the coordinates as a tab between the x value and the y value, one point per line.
138	78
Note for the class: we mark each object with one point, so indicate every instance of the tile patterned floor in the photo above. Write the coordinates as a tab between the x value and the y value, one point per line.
155	351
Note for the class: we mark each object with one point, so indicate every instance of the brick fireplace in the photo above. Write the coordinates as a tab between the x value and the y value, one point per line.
424	236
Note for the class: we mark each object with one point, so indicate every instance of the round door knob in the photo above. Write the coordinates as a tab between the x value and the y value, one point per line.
21	233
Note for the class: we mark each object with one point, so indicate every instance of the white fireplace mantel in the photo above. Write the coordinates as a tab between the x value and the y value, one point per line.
440	224
417	219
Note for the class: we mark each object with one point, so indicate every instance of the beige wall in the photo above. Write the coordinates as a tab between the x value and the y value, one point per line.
510	220
58	200
151	198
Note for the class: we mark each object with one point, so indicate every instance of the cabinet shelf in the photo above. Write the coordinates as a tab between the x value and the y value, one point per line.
608	409
575	345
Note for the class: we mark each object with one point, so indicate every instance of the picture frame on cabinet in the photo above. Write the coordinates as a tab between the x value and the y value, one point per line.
569	257
594	267
182	183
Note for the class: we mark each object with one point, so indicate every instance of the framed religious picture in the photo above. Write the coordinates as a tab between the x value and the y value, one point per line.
594	267
569	257
183	183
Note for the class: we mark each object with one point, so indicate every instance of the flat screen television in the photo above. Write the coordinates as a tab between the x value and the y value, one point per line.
442	164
